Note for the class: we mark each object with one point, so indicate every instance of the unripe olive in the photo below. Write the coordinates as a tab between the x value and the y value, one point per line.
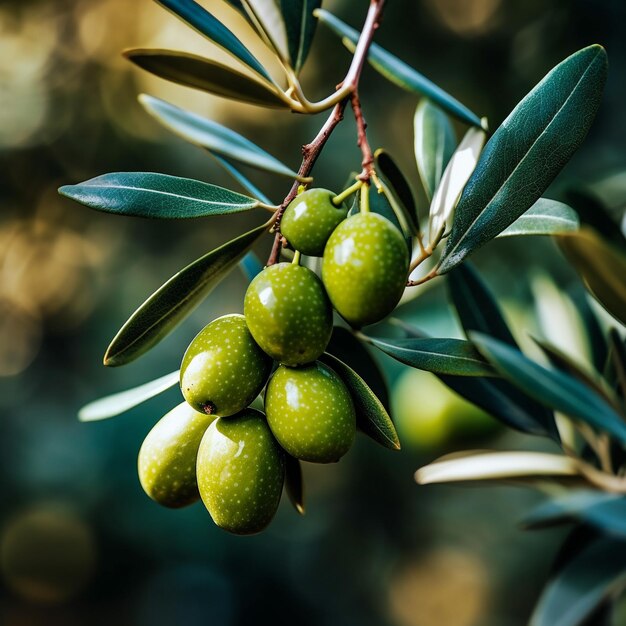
223	369
167	458
241	471
365	268
309	220
288	313
310	412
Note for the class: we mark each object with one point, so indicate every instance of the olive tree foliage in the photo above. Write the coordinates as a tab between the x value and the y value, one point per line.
483	186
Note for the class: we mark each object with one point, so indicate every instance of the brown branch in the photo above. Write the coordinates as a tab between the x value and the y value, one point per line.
361	127
311	151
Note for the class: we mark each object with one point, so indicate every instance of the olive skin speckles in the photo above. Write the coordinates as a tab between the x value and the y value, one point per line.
310	219
310	412
289	314
365	268
241	471
223	369
167	458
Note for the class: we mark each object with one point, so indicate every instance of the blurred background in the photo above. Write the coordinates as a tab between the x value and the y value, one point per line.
80	543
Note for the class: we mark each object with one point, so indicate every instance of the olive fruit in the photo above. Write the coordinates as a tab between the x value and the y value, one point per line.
167	458
309	220
365	267
223	369
288	313
240	470
310	412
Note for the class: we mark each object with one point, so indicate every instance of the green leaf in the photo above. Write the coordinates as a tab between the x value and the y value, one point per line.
208	25
143	194
398	72
434	144
440	356
251	266
269	23
480	465
399	188
294	484
602	268
300	24
346	347
372	418
213	136
617	368
545	217
605	511
582	585
117	403
196	72
247	184
553	388
173	301
527	151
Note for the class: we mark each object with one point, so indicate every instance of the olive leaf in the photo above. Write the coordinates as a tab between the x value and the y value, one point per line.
251	266
526	152
300	24
268	21
173	301
117	403
294	483
210	27
440	356
244	181
214	137
553	388
582	585
434	143
601	266
197	72
605	511
545	217
459	169
372	418
616	369
398	72
397	189
480	465
144	194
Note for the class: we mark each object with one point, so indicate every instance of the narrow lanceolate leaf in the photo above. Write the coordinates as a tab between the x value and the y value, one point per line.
208	25
172	302
454	179
197	72
553	388
601	266
582	585
300	24
213	136
372	418
266	17
617	363
144	194
527	151
399	188
545	217
434	144
125	400
294	483
605	511
251	266
398	72
440	356
244	181
496	466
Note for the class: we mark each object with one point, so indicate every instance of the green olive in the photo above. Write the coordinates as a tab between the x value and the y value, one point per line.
288	313
310	412
241	471
365	268
223	369
310	219
167	458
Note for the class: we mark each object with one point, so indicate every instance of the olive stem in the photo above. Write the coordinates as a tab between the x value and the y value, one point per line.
361	128
296	258
346	193
365	198
424	279
311	151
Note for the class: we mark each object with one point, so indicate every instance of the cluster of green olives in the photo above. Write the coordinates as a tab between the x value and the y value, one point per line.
214	446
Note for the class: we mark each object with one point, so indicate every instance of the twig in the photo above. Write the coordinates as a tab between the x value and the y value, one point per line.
311	151
361	128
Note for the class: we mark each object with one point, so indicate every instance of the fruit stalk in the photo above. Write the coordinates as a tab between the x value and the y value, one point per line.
311	151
